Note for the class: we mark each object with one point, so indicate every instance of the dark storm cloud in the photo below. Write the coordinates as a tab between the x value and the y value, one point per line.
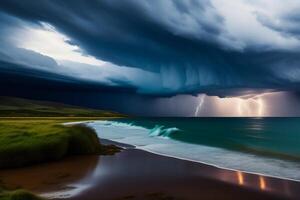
287	23
183	41
124	32
17	78
22	70
21	67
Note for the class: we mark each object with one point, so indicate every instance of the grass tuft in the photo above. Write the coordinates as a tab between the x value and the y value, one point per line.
18	195
32	132
25	142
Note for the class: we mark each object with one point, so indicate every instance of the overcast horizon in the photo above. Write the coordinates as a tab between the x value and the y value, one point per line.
155	58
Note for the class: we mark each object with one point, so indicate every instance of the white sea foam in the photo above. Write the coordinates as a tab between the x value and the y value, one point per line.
151	140
161	131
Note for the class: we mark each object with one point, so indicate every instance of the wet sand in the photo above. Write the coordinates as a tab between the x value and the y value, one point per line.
136	174
54	179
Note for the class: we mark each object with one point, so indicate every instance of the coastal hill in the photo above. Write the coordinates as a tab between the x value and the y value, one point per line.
32	132
29	126
18	107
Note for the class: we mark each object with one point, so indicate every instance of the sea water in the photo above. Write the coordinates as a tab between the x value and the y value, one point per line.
268	146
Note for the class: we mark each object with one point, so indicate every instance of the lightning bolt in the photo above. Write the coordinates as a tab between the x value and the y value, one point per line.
260	104
244	108
198	108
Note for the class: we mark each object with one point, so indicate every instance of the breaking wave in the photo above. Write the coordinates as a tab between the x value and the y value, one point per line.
153	140
163	132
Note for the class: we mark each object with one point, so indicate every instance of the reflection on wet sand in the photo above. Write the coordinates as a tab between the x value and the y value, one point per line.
135	173
261	181
281	187
138	173
56	179
240	178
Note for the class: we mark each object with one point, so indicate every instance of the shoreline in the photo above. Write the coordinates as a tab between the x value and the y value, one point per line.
220	167
125	146
238	184
197	161
137	174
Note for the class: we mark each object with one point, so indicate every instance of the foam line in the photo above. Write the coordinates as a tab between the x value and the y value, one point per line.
150	140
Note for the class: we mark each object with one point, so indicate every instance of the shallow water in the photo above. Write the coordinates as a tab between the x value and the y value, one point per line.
268	146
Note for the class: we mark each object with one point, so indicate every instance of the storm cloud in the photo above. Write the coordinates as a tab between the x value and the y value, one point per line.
179	46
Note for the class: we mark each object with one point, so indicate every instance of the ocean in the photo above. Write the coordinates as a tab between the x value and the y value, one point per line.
267	146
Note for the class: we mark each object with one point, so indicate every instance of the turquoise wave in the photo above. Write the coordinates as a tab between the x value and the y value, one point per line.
272	137
260	146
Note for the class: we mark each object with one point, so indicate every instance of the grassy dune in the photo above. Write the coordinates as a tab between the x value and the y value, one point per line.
32	132
24	142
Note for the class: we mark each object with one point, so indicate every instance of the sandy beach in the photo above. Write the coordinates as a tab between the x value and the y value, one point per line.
137	174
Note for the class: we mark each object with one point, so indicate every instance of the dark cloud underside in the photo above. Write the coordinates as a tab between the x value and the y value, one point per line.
179	40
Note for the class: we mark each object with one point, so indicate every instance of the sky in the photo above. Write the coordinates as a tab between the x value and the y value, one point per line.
154	57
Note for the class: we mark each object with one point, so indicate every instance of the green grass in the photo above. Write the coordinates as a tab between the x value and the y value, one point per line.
18	195
25	142
28	141
17	107
32	132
